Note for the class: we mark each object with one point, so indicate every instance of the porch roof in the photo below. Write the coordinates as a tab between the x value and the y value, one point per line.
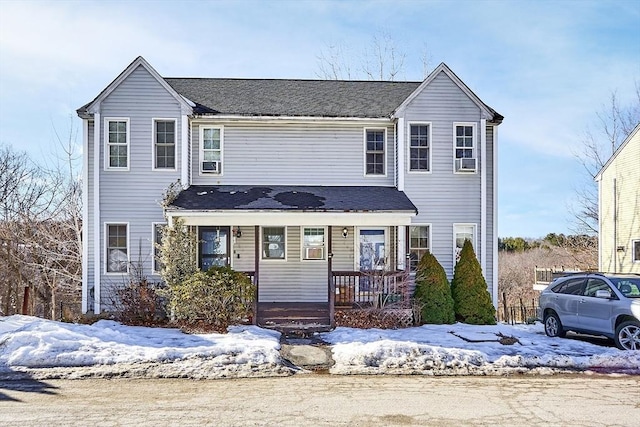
293	198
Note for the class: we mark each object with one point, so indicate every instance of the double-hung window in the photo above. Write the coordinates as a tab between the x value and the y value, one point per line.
418	244
117	248
274	243
462	232
164	135
375	142
117	143
419	147
313	243
211	149
464	146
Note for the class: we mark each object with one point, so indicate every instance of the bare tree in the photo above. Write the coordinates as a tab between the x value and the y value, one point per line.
614	123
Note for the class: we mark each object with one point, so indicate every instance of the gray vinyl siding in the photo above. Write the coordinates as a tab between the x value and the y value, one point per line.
343	249
293	280
441	196
293	154
243	250
134	196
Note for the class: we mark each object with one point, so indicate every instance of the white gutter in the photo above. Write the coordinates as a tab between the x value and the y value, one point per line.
97	125
281	119
85	215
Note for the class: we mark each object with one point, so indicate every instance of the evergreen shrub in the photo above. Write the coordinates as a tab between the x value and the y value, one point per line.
433	292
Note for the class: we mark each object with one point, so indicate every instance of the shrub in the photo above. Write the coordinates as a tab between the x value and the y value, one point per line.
367	318
433	291
218	297
471	299
139	304
177	253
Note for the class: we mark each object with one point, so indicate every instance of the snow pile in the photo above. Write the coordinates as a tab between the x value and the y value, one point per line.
29	342
462	349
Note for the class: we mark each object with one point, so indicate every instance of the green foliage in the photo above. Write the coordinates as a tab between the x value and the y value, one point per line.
177	253
218	297
433	291
472	302
513	244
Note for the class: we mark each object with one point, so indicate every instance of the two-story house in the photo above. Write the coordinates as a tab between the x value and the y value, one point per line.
619	208
303	184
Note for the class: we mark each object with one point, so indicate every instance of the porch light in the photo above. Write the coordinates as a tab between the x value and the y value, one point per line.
345	232
237	232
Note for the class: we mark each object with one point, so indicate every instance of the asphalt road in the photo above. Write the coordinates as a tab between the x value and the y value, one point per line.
325	400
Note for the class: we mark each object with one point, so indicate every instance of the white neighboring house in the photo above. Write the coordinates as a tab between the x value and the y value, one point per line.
302	184
619	208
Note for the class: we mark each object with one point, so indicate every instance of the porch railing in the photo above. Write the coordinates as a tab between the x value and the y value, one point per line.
375	288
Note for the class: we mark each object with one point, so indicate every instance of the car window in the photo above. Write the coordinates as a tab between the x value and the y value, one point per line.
594	285
630	288
570	287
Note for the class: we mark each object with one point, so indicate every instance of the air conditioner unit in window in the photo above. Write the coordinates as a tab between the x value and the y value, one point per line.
213	167
466	165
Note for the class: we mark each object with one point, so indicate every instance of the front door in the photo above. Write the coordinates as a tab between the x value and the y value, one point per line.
214	247
372	249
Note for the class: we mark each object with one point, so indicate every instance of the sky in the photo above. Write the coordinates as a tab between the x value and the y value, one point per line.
547	66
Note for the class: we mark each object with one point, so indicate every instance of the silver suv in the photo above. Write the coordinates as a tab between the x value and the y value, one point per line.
596	304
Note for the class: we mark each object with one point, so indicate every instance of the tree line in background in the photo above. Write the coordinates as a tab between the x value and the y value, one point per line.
40	234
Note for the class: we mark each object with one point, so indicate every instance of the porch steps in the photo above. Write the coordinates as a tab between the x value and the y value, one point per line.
294	318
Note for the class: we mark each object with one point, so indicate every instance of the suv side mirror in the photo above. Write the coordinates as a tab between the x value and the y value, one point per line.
602	293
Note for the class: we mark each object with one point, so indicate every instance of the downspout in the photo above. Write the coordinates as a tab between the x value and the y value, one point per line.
97	126
494	231
402	236
85	215
483	195
615	226
184	150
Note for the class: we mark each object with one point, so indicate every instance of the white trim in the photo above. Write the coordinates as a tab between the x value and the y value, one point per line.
356	245
97	256
494	231
430	146
633	251
153	246
384	155
106	247
184	151
483	196
154	120
324	244
474	147
401	236
400	152
633	133
286	241
474	241
201	130
107	166
284	218
600	224
85	215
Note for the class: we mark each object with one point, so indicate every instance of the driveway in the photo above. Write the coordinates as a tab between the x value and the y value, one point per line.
325	400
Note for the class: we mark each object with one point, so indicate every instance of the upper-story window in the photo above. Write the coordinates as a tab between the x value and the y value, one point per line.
117	143
464	146
164	136
375	142
419	147
211	149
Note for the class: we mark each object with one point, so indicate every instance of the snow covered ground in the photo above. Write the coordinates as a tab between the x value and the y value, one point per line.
46	349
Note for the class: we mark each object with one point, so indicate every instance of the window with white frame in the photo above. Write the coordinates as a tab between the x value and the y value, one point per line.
117	248
419	147
164	133
273	243
157	243
464	146
211	150
374	151
418	244
313	243
462	232
635	247
117	138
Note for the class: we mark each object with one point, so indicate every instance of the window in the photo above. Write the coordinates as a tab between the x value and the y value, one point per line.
117	251
313	243
211	150
570	287
464	146
462	232
635	247
214	247
374	151
594	285
117	138
157	242
273	243
164	132
419	141
418	244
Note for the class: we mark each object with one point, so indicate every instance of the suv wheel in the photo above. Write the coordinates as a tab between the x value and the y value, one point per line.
628	335
553	326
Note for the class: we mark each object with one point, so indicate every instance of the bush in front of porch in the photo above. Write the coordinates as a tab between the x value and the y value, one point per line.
433	292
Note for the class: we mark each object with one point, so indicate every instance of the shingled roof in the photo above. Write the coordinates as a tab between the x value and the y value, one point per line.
311	98
294	198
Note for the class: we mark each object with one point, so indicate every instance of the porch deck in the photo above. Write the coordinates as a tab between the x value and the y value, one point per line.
294	316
